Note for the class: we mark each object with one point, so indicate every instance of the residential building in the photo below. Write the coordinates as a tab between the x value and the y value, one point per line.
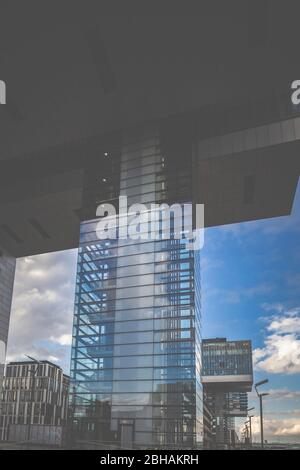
33	393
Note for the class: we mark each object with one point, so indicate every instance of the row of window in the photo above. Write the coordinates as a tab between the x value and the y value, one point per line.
138	349
184	425
133	338
128	362
173	299
170	281
138	315
96	311
107	295
147	373
102	269
134	386
147	412
136	399
133	326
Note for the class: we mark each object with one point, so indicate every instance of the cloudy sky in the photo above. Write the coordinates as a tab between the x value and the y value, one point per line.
250	289
42	309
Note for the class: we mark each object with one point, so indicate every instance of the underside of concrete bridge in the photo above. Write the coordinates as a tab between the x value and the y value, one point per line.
216	78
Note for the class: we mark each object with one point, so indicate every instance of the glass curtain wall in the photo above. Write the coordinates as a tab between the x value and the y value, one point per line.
135	356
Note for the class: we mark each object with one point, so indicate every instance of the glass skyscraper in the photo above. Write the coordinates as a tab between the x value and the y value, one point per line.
136	348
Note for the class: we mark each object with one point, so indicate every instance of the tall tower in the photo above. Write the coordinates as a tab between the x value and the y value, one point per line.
136	349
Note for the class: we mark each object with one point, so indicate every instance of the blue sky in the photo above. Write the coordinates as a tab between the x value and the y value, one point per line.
250	290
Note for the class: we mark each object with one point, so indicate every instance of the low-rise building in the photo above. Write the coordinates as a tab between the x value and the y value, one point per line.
33	393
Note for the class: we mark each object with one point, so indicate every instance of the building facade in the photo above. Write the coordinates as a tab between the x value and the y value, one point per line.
136	349
229	360
33	393
227	377
7	275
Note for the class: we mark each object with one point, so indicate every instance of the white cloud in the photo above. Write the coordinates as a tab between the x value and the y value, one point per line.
53	359
284	394
273	307
276	428
281	351
63	340
235	296
293	413
288	428
42	309
289	324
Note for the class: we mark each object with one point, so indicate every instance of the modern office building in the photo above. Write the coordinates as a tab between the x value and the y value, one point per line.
136	350
227	377
33	393
227	363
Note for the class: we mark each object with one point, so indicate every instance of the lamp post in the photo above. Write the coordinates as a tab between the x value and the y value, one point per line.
71	418
260	396
245	435
250	422
32	393
250	427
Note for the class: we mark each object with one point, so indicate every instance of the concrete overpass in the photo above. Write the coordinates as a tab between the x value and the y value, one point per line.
77	76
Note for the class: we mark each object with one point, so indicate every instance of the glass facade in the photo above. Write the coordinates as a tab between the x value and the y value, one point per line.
136	348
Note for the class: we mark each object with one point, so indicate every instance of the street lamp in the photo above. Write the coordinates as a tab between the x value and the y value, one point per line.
247	431
260	396
245	434
32	392
72	417
250	422
250	427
